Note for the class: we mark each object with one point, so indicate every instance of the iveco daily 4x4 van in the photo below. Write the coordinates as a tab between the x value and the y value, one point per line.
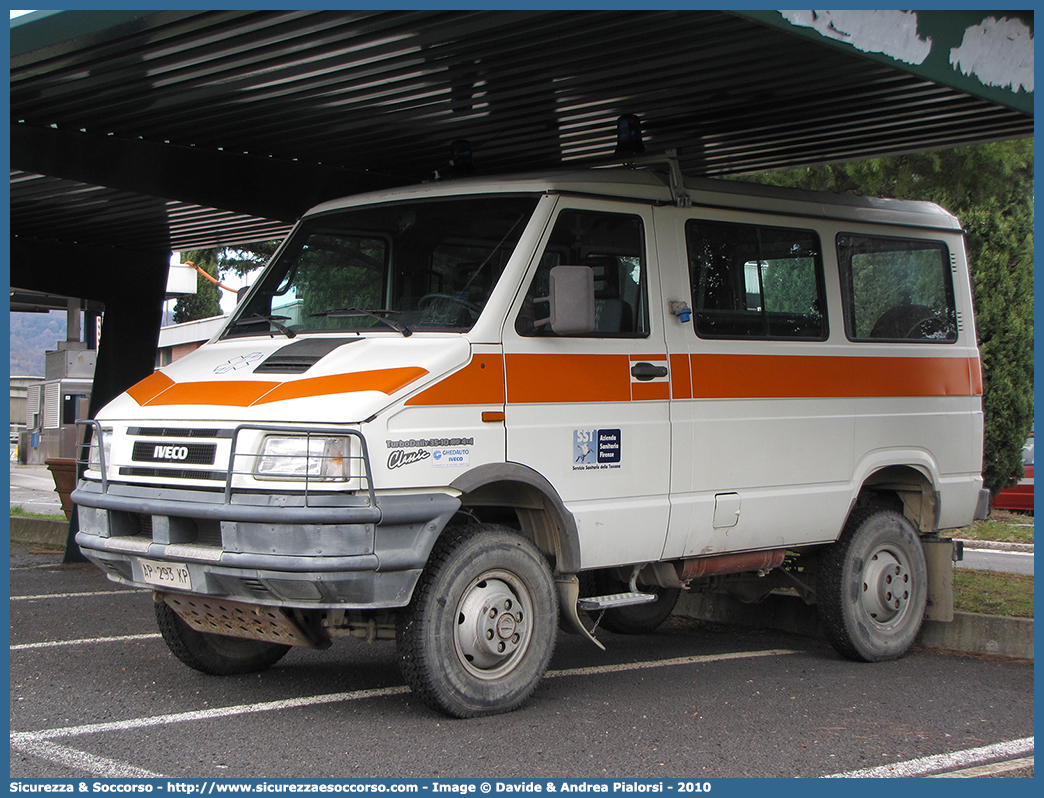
463	414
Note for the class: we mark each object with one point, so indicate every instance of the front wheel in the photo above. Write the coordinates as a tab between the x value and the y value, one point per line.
479	632
218	655
873	586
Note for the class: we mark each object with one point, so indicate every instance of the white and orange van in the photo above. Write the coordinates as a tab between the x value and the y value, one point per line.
462	414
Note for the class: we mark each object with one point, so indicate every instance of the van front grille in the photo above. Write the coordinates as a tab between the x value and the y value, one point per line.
175	473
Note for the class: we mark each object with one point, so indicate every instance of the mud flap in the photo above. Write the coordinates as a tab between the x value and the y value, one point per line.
569	619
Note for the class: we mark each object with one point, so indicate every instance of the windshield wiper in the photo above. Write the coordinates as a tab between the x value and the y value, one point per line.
377	313
275	321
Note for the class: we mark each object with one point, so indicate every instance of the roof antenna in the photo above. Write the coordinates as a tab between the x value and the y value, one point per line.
629	147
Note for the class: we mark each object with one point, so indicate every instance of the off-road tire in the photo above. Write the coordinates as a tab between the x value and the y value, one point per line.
872	586
480	629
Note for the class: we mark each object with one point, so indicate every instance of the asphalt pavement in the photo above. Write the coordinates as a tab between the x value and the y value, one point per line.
96	694
32	489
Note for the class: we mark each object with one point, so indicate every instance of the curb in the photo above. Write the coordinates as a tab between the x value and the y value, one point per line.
39	531
980	634
996	545
967	633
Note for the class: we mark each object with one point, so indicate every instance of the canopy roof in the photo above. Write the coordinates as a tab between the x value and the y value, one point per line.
149	130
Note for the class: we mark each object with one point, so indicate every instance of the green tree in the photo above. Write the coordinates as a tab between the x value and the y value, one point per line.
206	302
239	260
245	258
989	187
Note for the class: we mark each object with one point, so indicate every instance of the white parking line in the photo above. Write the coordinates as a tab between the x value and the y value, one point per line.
693	660
332	698
84	641
98	766
941	762
996	770
38	743
203	714
38	596
36	567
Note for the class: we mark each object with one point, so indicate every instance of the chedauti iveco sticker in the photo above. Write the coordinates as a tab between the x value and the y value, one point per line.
441	452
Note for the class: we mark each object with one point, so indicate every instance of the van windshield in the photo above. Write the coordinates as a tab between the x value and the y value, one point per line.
428	265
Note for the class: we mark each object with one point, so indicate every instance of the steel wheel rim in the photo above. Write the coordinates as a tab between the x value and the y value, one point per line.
887	586
493	625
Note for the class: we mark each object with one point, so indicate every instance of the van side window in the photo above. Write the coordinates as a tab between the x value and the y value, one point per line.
613	246
755	282
896	289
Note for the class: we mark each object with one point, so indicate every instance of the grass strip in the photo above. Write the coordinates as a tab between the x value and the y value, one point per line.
23	513
993	593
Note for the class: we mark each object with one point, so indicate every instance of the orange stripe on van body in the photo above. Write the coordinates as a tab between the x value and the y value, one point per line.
975	371
387	381
150	387
159	390
811	377
681	377
534	379
234	393
481	382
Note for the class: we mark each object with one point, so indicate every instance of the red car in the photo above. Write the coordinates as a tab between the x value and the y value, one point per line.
1020	496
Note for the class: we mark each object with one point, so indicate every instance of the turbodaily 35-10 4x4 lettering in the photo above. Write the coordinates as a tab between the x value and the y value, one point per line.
463	415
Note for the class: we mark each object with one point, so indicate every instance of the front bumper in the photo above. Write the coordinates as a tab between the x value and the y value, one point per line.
291	550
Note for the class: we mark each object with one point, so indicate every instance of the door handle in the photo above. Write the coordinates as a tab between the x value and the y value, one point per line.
647	371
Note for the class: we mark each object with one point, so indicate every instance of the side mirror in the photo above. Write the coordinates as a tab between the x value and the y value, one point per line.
571	299
242	292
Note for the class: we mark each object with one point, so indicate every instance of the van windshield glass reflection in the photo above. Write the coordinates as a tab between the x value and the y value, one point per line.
418	266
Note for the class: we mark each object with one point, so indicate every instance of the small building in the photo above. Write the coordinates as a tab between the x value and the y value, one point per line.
19	402
53	405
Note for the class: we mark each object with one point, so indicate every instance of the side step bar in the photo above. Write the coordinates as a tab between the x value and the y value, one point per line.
613	600
571	604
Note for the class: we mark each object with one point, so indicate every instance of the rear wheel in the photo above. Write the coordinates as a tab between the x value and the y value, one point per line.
215	654
872	586
478	635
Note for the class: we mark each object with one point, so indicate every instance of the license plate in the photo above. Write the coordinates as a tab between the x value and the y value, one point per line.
166	574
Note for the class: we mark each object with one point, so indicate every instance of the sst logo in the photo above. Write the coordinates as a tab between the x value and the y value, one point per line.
596	447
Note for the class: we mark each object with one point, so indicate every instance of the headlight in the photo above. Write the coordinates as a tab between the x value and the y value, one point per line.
303	457
94	456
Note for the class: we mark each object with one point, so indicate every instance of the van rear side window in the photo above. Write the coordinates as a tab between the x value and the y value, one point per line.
756	282
896	289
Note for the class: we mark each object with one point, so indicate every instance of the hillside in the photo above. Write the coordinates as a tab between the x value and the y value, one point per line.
33	334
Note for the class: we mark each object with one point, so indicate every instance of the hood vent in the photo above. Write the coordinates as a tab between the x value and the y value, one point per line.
298	357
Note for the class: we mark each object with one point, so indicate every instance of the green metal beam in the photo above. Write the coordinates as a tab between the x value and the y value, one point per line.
988	54
47	30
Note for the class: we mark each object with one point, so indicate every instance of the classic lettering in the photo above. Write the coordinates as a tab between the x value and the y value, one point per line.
399	457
